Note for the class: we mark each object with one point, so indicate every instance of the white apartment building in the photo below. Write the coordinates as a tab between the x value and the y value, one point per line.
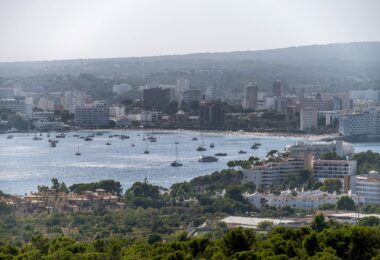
45	104
367	186
272	173
18	105
97	115
333	169
302	200
299	149
117	112
308	119
363	124
368	94
183	85
75	99
45	125
250	96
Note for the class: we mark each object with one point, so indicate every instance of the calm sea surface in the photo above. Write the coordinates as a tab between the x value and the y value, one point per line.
25	163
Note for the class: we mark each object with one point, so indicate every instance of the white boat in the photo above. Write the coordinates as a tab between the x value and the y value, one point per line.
60	135
208	159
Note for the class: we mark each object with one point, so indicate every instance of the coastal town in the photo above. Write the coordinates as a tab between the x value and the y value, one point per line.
352	115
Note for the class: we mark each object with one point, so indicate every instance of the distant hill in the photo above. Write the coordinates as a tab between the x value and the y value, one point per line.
332	66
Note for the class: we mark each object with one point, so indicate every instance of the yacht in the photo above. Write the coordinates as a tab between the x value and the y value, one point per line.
242	152
255	146
152	139
207	159
60	135
176	163
9	136
53	143
220	154
122	137
201	149
78	153
147	149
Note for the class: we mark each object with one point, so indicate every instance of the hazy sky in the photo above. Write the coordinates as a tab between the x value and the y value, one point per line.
65	29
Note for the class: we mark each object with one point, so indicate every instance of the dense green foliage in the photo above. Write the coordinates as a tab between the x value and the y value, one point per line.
344	242
367	161
331	185
330	156
108	185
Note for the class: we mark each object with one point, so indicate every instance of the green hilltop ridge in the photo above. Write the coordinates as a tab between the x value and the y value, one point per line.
341	66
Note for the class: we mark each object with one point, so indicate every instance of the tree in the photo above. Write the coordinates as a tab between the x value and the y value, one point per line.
331	156
172	108
234	193
345	203
237	240
371	221
265	224
154	238
318	223
55	184
272	153
331	185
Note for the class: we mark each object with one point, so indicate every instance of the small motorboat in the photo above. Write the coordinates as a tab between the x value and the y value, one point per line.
212	145
220	154
207	159
201	149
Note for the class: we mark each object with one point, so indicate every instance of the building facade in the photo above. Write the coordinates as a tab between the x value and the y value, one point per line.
18	105
211	115
360	124
308	119
277	89
157	98
250	96
98	115
333	169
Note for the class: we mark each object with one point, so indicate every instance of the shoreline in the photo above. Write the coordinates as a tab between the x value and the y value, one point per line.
307	137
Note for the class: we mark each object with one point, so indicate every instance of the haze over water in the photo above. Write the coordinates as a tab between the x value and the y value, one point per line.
25	164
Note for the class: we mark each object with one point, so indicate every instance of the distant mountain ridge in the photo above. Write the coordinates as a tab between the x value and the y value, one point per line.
333	66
